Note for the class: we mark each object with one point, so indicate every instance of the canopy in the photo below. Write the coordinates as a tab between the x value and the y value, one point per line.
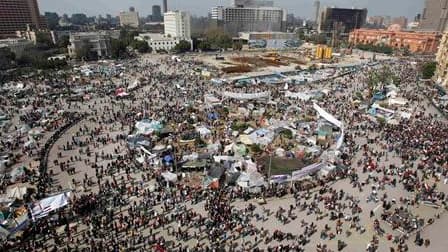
146	127
16	192
262	136
169	176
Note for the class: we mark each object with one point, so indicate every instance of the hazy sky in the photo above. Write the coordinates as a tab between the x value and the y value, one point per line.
302	8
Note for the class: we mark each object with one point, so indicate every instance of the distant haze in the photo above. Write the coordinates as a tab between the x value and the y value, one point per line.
302	8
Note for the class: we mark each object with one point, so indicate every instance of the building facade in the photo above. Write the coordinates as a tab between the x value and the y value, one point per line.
161	42
442	62
15	15
165	6
250	16
177	24
434	16
416	42
402	21
341	19
16	45
97	42
156	14
129	18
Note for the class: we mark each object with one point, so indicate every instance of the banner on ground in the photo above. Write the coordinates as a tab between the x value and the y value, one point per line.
43	207
306	171
247	96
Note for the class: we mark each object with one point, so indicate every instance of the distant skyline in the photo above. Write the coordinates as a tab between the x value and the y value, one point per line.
302	8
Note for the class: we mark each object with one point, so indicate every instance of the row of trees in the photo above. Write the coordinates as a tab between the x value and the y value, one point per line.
428	69
215	39
376	48
31	57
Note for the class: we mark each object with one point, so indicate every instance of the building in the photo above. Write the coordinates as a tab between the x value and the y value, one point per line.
252	3
402	21
129	18
376	21
217	13
434	16
177	24
15	15
165	6
97	42
250	16
316	15
156	14
272	40
31	35
16	45
341	20
416	42
161	42
442	62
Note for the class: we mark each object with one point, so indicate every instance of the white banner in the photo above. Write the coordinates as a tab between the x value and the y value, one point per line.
327	116
247	96
43	207
306	171
301	96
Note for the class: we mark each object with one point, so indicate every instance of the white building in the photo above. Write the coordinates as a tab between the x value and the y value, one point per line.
129	18
177	24
159	42
217	13
16	45
97	42
250	16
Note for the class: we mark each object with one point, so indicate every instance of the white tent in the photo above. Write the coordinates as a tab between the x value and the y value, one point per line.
169	176
16	192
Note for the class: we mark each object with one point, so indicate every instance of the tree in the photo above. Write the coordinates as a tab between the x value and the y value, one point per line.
218	39
204	45
127	36
428	70
44	41
237	46
118	49
141	46
182	46
6	58
84	51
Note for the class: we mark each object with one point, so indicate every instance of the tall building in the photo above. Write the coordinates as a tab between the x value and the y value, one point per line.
402	21
156	13
316	16
165	6
129	18
15	15
250	16
341	20
177	24
442	62
252	3
435	15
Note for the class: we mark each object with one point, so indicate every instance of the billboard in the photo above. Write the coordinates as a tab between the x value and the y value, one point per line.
274	43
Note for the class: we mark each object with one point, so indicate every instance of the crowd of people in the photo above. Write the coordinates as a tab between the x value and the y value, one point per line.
121	206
